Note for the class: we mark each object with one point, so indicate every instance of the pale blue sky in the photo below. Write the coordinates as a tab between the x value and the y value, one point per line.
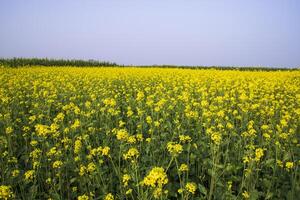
140	32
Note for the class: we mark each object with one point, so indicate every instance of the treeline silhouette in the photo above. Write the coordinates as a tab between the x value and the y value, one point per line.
21	62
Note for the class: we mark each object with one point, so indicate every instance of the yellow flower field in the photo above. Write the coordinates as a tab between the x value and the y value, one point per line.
149	133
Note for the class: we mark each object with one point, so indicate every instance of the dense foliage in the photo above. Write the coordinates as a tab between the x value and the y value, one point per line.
132	133
21	62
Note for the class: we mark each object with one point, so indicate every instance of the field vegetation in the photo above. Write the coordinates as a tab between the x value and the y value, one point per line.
149	133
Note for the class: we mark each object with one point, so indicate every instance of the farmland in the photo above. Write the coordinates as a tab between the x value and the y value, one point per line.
149	133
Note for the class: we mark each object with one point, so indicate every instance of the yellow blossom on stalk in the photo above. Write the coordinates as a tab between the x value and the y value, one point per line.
91	167
174	148
191	187
57	164
140	95
74	189
36	164
109	196
279	163
48	181
246	195
180	191
52	151
15	173
33	143
216	138
129	191
9	130
259	153
139	137
132	153
156	123
122	134
131	139
29	175
42	130
266	136
229	185
83	197
59	117
76	124
264	127
246	159
157	177
126	178
6	192
105	151
183	168
82	170
157	192
77	146
185	138
129	112
121	123
35	154
289	165
149	120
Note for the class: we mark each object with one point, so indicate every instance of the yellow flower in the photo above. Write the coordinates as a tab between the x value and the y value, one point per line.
279	163
105	151
139	137
15	173
5	192
157	192
35	154
29	175
122	134
109	196
57	164
91	167
9	130
129	191
140	95
183	168
246	195
42	130
131	139
126	179
174	148
33	143
185	138
157	177
229	185
77	146
149	119
191	187
83	197
259	153
76	124
216	138
82	170
132	153
289	165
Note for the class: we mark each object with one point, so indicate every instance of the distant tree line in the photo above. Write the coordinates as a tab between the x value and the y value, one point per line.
21	62
241	68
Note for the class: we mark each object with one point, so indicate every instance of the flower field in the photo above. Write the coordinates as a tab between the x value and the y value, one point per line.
149	133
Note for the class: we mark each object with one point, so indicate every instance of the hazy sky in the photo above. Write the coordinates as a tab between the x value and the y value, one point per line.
181	32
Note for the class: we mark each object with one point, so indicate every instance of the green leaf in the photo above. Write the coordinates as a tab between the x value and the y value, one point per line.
202	189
